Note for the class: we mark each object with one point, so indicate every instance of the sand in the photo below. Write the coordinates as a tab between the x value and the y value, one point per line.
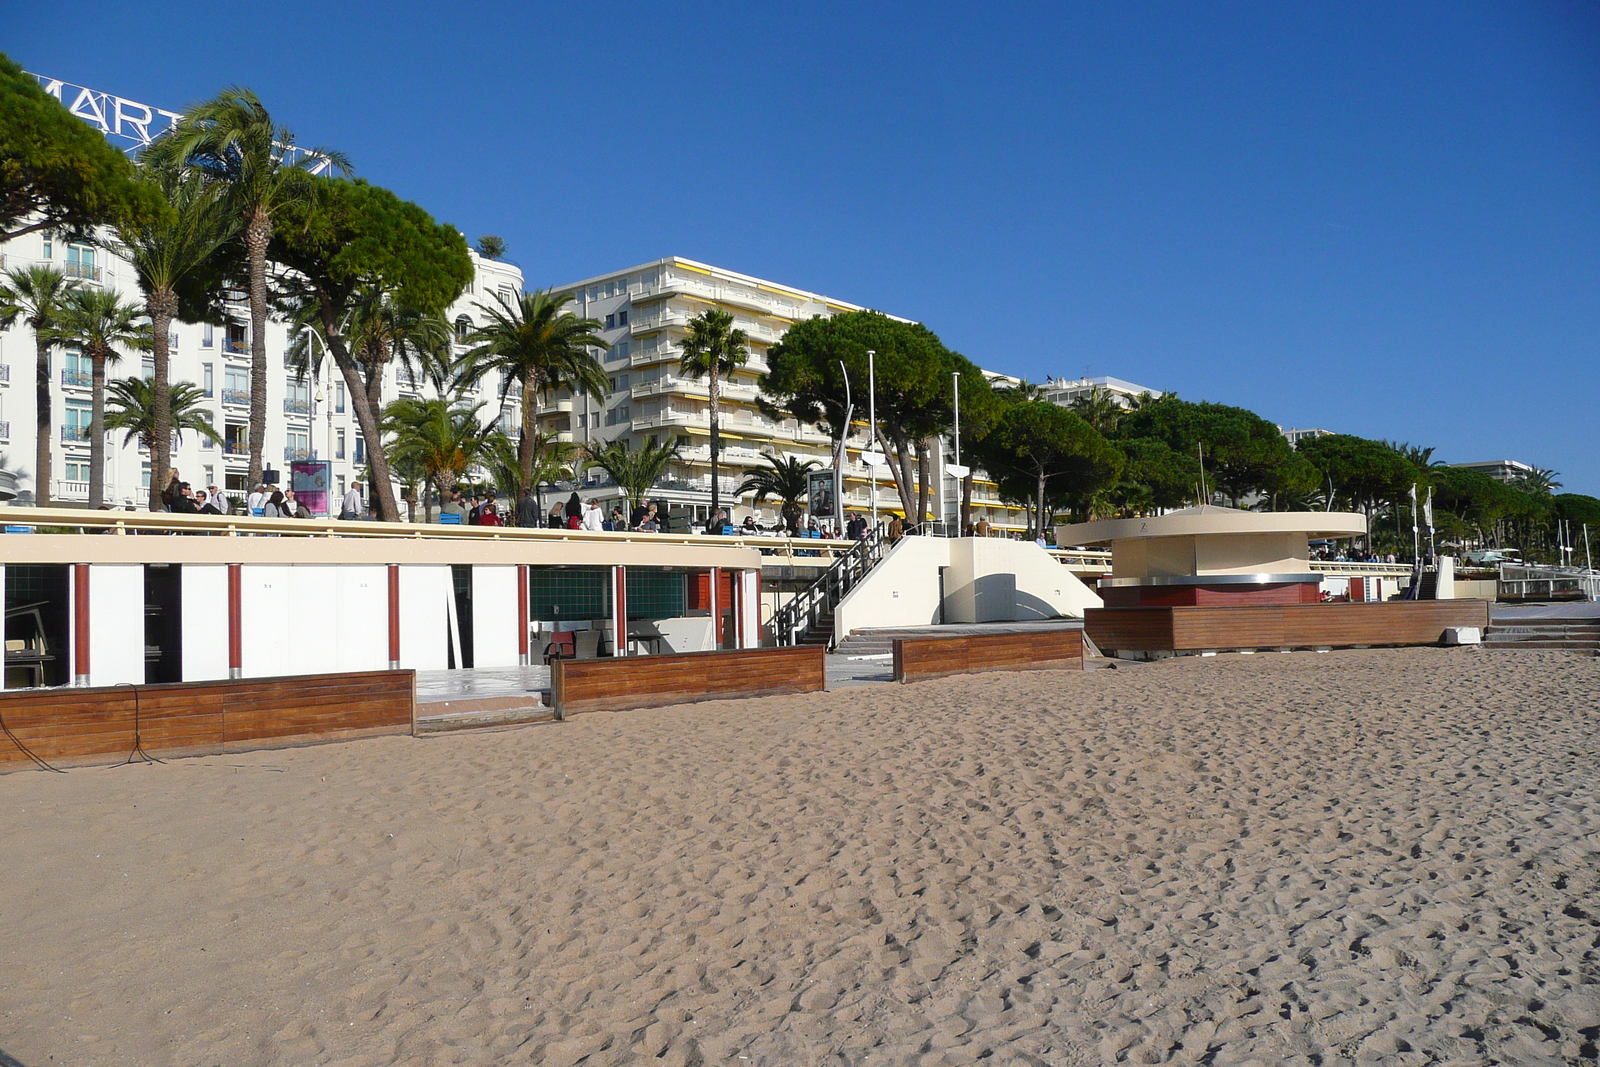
1370	857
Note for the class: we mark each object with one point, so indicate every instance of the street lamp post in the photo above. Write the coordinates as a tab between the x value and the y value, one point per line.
870	455
956	470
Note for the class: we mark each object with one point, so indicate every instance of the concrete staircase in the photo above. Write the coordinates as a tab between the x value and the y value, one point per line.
1572	635
820	632
868	643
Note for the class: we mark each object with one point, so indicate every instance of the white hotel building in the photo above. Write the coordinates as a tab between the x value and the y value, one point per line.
306	418
644	313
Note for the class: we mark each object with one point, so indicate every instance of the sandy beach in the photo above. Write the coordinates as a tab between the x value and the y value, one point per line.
1360	857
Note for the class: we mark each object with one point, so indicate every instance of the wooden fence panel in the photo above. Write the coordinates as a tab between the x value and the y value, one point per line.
578	685
1185	629
918	659
98	725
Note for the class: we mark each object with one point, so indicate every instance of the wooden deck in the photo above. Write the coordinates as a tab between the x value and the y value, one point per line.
918	659
1192	629
579	685
68	727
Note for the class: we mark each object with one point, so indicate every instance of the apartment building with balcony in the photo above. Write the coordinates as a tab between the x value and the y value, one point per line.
644	312
307	418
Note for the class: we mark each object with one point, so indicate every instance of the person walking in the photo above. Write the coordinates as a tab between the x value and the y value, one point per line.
352	508
527	510
896	530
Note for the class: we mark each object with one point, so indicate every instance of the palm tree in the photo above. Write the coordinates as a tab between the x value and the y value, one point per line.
635	471
1099	409
492	247
783	478
132	404
1538	482
441	441
171	250
1022	392
100	323
37	295
232	141
532	341
713	349
552	461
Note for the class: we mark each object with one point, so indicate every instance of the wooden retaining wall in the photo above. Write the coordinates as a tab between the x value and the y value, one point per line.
578	685
1186	629
66	727
918	659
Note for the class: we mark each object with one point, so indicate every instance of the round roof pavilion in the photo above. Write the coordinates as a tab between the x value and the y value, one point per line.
1210	521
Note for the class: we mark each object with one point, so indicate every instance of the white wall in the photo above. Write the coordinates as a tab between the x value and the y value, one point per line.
116	623
363	602
265	621
902	590
425	592
494	617
205	622
989	580
312	619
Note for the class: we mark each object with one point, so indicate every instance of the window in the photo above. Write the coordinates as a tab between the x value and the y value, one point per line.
78	369
206	443
299	446
80	262
236	386
338	397
338	444
236	438
210	475
172	340
618	351
144	476
361	449
683	440
508	294
298	400
76	426
77	470
463	329
147	368
611	322
49	248
207	336
340	483
208	380
622	413
237	342
622	318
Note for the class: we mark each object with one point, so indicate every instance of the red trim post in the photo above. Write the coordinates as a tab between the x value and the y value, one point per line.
80	624
619	610
716	607
235	621
394	617
522	614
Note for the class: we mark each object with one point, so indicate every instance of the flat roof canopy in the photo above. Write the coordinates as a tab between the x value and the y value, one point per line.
1210	521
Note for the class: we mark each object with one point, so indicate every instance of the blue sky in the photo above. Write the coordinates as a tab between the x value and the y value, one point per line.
1380	219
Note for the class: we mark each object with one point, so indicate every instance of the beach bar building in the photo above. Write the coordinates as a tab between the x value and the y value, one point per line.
1210	579
256	598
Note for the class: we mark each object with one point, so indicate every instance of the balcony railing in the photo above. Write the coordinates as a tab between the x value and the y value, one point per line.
235	348
5	372
74	435
291	406
237	397
77	379
67	489
5	431
236	448
86	271
294	455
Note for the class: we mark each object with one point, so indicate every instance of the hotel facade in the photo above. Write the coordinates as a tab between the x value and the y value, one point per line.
308	417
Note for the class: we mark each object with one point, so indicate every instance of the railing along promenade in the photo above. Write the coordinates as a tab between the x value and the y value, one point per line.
805	550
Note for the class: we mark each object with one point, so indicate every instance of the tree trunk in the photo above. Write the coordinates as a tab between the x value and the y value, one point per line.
381	488
97	433
525	435
257	234
924	476
716	445
41	386
1038	529
899	473
160	306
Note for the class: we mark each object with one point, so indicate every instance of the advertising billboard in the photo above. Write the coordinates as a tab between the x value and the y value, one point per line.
311	480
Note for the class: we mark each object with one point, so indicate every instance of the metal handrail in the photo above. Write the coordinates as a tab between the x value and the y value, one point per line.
126	522
806	608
